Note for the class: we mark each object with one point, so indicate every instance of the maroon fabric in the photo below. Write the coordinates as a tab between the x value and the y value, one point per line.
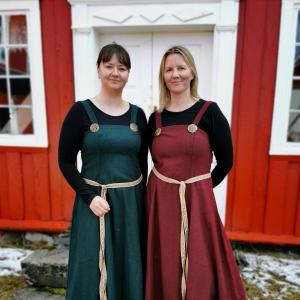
212	271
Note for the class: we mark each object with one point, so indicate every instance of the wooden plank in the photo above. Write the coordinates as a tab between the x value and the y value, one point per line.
246	140
292	189
4	195
254	237
57	44
276	197
41	187
28	180
15	186
264	111
33	225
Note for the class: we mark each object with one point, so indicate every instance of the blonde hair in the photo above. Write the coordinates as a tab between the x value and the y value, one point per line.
164	93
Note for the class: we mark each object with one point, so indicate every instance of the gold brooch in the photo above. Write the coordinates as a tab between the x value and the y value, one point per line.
192	128
158	131
134	127
94	127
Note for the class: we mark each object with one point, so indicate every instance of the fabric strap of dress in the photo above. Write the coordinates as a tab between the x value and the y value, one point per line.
134	110
89	111
158	119
102	264
184	228
201	112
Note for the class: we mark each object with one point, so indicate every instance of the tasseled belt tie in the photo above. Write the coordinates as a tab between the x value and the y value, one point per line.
184	232
102	264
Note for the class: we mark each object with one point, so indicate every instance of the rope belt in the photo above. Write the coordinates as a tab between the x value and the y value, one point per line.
102	264
184	231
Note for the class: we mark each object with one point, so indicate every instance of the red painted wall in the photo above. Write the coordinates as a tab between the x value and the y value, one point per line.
263	203
33	194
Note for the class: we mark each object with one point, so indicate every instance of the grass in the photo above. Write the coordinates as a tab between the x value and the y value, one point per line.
9	285
55	291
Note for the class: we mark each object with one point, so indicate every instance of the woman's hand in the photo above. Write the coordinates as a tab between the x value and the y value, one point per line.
99	206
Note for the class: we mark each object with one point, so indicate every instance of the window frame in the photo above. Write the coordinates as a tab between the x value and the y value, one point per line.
39	138
284	80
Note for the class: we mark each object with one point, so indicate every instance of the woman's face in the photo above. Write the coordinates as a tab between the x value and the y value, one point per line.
177	74
113	74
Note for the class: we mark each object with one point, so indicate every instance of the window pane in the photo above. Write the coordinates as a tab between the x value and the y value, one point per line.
298	28
294	127
20	91
18	61
2	62
4	120
297	62
17	31
295	100
1	30
16	121
3	91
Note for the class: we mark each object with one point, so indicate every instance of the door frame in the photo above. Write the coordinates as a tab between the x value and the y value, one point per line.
220	17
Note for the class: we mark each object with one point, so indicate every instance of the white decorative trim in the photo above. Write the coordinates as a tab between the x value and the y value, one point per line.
185	20
285	66
40	136
120	21
152	20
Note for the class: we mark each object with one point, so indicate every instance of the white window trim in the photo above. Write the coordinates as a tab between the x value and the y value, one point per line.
39	138
285	67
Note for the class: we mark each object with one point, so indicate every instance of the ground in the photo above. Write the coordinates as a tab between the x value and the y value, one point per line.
268	272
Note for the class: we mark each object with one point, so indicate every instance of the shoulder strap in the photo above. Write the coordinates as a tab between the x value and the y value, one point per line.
134	110
201	112
158	119
89	111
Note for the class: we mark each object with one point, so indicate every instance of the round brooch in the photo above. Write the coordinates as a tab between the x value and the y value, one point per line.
134	127
94	127
192	128
158	131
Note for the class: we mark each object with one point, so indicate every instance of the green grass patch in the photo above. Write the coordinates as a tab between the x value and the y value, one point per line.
9	285
55	291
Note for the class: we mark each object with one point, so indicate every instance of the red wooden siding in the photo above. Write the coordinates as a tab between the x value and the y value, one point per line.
33	194
263	203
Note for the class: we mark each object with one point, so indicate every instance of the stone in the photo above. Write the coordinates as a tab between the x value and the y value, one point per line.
33	294
38	237
240	259
46	268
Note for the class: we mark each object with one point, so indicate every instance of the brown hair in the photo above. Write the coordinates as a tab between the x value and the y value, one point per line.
109	50
164	93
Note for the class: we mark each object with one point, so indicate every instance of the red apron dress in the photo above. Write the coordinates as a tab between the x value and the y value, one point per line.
181	152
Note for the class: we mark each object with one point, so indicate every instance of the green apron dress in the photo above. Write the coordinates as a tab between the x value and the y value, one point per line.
109	155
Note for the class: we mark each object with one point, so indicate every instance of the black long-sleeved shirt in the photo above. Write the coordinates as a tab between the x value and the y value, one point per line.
76	123
213	123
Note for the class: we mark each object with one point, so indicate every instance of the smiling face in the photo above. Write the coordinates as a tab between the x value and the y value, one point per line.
177	74
113	74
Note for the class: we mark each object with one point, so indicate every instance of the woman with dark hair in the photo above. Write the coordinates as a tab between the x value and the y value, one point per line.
105	260
188	254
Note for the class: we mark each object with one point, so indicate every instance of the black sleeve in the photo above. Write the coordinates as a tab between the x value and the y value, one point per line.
220	140
151	127
70	142
143	154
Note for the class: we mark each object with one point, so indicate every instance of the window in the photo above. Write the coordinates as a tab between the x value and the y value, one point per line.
22	101
285	139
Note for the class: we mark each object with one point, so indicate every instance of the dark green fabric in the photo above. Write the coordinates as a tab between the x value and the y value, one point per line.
109	155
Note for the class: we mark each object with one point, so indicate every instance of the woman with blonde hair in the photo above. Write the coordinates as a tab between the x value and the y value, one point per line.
188	253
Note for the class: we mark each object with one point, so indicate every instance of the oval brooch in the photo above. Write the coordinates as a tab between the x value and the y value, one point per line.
134	127
192	128
94	127
158	131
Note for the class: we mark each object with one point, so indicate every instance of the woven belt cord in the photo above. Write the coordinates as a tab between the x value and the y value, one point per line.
184	231
102	265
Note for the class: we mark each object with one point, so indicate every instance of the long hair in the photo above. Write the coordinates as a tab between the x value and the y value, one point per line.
164	93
